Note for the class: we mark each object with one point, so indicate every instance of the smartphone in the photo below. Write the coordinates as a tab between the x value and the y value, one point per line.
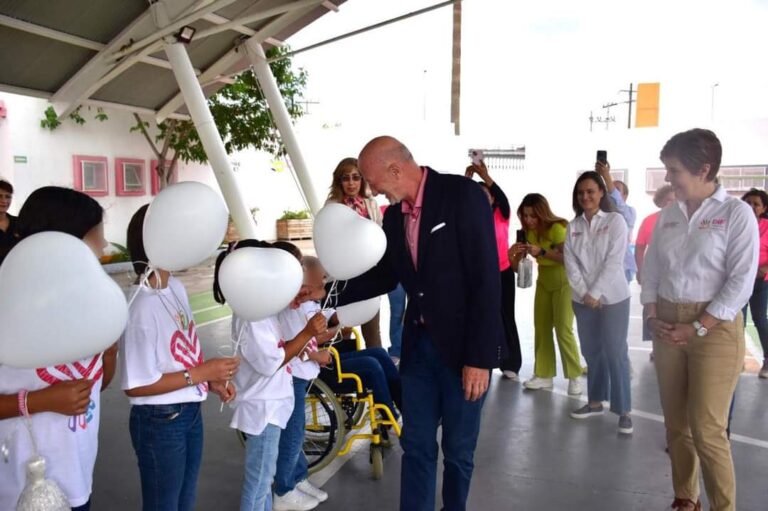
477	156
520	236
602	156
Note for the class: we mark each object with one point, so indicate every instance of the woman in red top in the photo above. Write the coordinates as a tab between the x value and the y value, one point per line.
663	197
758	302
349	187
510	366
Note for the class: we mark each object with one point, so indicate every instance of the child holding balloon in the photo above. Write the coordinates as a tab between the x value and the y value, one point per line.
265	399
292	488
166	379
62	401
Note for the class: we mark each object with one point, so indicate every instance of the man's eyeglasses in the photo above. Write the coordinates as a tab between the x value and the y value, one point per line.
351	177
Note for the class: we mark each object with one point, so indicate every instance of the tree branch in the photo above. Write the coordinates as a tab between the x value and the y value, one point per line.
143	130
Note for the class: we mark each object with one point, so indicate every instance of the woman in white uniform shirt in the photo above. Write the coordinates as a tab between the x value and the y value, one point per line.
595	243
698	274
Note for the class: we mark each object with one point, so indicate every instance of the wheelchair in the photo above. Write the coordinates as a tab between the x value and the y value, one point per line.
337	404
340	411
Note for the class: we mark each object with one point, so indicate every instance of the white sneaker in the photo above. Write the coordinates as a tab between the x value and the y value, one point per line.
294	500
574	387
537	383
763	371
510	375
313	491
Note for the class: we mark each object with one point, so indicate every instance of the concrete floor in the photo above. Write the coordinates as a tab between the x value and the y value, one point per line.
530	456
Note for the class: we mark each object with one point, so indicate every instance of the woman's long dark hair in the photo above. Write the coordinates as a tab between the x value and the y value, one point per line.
218	295
53	208
606	204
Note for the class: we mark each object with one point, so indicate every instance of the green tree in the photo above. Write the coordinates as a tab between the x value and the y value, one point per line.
239	110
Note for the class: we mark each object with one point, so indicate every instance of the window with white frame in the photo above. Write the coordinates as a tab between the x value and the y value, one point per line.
90	175
130	177
735	179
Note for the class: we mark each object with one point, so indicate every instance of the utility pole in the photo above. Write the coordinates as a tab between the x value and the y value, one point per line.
456	70
629	104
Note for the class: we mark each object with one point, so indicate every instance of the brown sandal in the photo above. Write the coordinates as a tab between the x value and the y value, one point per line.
684	504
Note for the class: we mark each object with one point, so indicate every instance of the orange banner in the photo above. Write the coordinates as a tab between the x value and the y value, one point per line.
647	112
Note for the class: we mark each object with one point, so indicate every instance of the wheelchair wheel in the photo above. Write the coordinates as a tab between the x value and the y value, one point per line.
324	430
377	461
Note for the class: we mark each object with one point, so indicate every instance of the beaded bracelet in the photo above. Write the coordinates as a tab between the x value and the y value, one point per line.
188	377
22	398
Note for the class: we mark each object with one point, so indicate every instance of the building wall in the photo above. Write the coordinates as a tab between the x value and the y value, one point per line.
49	162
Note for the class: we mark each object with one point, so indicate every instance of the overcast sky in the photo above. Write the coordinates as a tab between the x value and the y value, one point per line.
529	67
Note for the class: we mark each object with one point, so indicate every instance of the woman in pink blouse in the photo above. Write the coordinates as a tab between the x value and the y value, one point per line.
349	187
758	302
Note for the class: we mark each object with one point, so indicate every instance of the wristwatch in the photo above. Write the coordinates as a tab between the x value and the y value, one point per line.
541	254
701	330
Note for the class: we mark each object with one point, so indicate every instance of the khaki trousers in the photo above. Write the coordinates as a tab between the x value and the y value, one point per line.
696	383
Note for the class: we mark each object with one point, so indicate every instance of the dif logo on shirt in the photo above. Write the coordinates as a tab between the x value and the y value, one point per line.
88	369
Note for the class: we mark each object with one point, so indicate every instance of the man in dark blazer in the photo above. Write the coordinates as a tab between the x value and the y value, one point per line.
441	246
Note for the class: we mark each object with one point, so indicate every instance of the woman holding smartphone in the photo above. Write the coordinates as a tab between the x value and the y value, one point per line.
543	239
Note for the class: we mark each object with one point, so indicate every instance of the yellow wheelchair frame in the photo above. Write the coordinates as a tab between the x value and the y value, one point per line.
362	400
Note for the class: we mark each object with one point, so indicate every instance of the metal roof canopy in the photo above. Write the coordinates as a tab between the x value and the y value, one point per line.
110	54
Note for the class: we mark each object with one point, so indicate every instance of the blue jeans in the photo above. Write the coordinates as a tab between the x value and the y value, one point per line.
603	337
292	465
758	305
396	314
260	466
433	392
168	440
84	507
378	373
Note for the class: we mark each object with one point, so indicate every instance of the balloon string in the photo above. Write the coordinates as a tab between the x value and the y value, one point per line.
144	281
234	354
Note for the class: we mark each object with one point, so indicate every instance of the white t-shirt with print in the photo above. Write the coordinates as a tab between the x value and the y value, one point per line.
160	338
293	321
68	444
264	386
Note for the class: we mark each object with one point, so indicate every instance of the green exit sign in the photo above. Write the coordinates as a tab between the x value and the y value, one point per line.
19	159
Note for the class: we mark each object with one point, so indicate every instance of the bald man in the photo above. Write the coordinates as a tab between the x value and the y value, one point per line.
441	245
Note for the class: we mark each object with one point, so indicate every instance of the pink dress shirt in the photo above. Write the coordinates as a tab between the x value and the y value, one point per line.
412	214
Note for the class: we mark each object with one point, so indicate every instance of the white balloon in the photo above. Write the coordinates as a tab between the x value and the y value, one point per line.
57	304
358	313
185	224
347	244
259	282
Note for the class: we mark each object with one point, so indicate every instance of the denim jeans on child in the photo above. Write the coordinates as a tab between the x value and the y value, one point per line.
378	373
260	466
168	440
291	462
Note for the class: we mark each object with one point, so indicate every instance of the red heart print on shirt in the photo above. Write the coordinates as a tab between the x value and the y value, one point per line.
186	349
82	369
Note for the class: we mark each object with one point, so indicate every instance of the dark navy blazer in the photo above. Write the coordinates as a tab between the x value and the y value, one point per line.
455	291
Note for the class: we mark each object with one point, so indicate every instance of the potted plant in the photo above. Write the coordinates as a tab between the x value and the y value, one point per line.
232	232
294	225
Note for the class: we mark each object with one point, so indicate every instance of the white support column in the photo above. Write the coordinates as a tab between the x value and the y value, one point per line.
283	121
210	137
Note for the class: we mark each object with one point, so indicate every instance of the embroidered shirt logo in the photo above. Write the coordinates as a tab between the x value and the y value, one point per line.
82	369
185	349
